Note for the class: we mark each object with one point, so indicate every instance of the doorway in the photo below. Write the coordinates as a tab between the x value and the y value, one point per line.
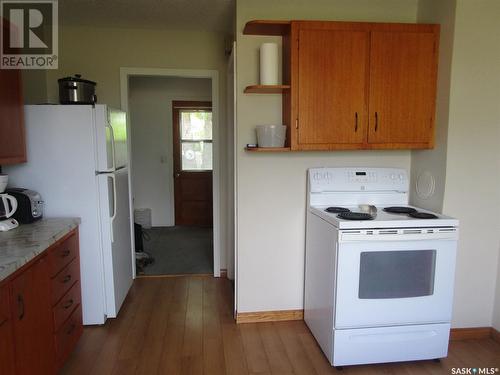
200	179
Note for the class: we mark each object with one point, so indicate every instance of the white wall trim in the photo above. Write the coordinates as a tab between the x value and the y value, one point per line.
213	75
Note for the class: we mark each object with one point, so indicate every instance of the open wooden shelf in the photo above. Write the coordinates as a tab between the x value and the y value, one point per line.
266	89
267	27
268	149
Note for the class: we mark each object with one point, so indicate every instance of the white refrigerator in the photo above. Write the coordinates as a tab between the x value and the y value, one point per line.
78	161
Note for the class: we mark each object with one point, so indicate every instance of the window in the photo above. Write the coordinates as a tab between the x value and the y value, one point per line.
196	139
397	274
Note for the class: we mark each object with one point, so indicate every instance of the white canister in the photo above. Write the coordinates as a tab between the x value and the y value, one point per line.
269	63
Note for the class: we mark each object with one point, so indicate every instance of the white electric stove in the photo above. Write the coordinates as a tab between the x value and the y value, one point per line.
379	273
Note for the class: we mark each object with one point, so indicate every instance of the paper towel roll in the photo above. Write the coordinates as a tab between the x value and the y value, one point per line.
269	64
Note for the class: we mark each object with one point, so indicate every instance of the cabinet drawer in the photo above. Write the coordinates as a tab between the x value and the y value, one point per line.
62	254
67	336
66	305
64	280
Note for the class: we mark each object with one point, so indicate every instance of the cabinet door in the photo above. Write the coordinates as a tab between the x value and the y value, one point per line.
12	137
403	68
6	338
32	322
332	87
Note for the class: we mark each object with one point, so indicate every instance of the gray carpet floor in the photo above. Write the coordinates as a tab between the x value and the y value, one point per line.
179	250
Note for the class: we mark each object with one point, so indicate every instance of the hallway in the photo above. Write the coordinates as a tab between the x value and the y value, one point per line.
184	325
179	250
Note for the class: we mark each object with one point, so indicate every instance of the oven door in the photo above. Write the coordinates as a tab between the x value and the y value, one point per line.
395	277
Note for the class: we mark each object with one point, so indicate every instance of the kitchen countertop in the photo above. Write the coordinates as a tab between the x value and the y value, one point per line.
20	245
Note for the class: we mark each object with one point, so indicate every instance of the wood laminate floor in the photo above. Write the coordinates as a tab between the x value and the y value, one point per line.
184	325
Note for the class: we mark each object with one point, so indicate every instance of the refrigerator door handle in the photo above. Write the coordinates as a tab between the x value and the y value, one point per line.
112	139
113	178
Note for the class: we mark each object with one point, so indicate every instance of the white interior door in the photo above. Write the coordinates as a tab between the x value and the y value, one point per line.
394	282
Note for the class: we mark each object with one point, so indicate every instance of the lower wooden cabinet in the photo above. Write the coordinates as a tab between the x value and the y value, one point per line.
40	312
32	320
6	348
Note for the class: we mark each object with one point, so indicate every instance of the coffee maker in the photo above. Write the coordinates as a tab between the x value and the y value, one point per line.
8	206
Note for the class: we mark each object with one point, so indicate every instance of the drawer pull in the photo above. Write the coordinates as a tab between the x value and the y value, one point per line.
3	322
20	305
66	279
71	329
356	122
376	121
68	304
65	253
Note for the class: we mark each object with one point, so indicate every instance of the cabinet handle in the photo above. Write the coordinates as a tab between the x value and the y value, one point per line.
20	304
68	304
376	121
356	122
66	279
65	253
71	329
3	322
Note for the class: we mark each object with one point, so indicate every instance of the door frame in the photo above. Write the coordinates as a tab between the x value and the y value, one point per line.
213	75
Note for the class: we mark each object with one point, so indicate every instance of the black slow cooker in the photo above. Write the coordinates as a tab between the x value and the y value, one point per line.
75	90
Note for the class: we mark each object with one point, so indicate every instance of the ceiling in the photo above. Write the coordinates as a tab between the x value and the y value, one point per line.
206	15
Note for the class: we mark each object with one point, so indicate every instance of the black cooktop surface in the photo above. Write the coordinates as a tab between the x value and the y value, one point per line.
336	210
355	216
399	210
422	215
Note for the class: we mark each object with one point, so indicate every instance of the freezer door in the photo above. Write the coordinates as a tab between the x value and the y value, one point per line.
116	238
117	122
111	139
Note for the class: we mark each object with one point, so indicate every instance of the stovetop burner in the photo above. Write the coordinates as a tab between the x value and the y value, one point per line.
422	215
336	210
355	216
400	210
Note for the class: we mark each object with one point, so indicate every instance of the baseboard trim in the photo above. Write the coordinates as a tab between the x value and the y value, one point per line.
269	316
174	275
457	334
495	335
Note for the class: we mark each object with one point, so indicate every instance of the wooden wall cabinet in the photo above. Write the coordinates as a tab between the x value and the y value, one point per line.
40	311
12	134
357	85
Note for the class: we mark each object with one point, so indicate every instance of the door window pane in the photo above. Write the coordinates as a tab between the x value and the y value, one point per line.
196	156
196	125
396	274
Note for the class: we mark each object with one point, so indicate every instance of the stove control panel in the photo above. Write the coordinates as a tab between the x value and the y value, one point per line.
358	179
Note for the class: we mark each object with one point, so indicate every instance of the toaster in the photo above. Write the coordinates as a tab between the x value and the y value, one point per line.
29	205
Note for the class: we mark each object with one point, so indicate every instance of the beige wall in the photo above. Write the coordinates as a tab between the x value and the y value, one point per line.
472	191
34	86
98	54
150	109
271	188
434	161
